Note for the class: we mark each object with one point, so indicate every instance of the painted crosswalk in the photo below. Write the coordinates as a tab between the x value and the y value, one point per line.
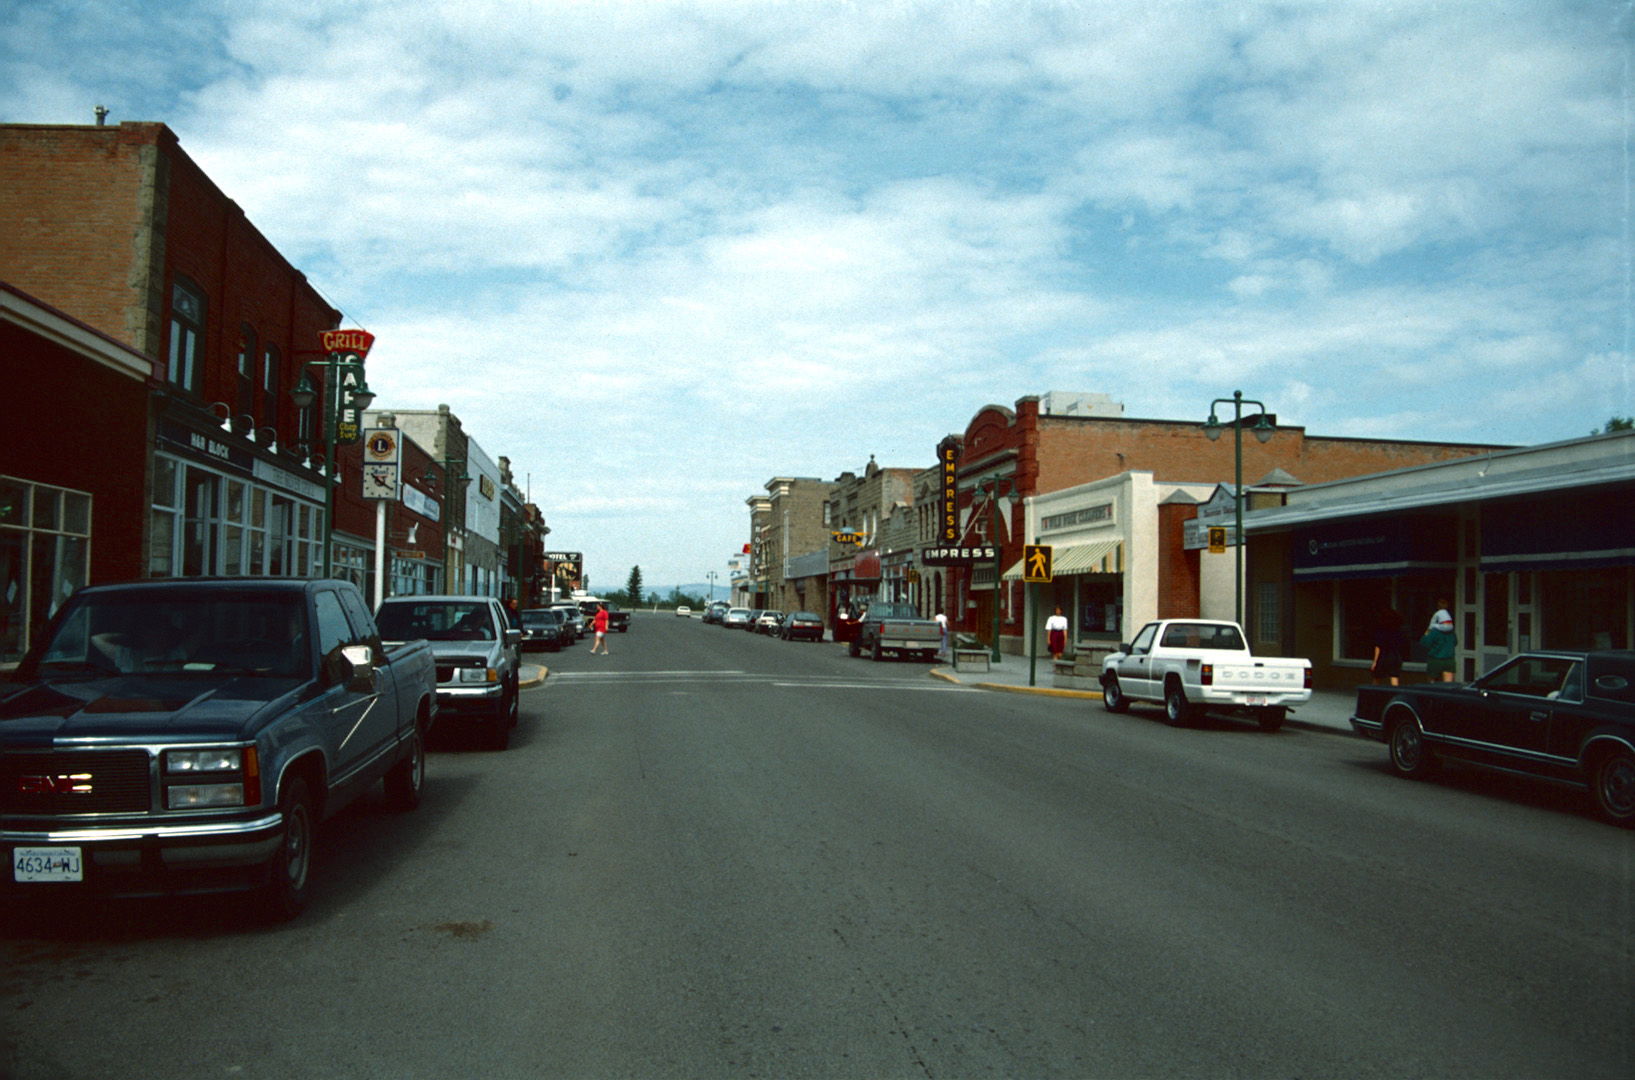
746	678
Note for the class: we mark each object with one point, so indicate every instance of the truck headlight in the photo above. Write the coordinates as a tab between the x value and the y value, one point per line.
222	759
479	675
236	771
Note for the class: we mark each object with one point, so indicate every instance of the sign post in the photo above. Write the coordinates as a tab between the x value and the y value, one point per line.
1036	570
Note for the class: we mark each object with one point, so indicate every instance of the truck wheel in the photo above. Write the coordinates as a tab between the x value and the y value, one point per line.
1411	759
1612	787
289	886
404	782
1177	710
1271	719
1112	697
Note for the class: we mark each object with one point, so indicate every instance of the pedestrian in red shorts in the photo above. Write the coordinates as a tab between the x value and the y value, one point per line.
600	623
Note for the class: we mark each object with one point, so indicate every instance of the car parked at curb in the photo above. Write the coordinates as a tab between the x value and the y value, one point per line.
478	654
187	736
736	618
801	624
767	623
1193	665
542	628
1560	715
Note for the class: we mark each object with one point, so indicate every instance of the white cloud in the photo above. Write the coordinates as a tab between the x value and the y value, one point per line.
658	252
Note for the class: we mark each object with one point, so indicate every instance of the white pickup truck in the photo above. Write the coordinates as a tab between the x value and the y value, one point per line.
1193	665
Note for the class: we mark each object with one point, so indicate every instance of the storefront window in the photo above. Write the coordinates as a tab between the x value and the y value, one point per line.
45	554
1584	609
1101	606
1362	604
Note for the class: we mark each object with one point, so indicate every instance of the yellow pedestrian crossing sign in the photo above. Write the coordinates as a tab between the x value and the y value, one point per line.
1036	562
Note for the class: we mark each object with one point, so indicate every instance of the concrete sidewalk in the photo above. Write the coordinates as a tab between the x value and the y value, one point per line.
1328	710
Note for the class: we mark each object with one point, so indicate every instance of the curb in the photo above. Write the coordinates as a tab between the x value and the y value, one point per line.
529	684
1046	691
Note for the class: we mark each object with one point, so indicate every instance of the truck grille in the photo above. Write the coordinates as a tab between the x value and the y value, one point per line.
447	665
74	782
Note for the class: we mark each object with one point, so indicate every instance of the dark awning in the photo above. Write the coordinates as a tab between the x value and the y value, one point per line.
1585	530
1375	546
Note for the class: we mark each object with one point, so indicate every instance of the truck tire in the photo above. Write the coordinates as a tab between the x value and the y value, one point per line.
290	880
1177	710
1271	718
1112	696
408	776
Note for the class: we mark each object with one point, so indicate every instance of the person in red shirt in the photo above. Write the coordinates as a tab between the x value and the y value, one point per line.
600	624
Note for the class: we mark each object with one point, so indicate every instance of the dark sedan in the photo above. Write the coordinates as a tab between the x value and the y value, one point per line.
801	624
1566	716
542	628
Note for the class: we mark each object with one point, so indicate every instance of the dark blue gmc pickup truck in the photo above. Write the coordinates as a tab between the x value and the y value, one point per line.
189	736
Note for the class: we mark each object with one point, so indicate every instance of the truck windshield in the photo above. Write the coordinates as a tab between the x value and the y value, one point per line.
435	620
151	632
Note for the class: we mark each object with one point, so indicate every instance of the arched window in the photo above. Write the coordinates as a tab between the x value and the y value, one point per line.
186	346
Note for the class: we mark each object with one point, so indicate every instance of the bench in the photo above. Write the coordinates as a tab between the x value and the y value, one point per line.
966	659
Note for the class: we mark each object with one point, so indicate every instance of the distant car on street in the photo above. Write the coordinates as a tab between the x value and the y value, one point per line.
542	628
767	622
736	618
683	611
801	624
715	611
1565	716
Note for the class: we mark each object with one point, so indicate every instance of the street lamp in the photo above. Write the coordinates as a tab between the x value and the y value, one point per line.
1263	432
337	366
996	486
430	479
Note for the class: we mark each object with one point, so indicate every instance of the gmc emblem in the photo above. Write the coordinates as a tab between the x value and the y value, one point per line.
61	784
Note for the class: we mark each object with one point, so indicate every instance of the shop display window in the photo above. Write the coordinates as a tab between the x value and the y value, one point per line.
45	554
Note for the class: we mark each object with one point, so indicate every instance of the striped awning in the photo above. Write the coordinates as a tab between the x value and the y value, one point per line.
1102	557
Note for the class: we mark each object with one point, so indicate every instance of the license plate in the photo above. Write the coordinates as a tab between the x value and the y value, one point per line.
46	864
1257	699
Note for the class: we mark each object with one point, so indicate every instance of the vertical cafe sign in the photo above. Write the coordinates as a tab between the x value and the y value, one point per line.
354	345
948	457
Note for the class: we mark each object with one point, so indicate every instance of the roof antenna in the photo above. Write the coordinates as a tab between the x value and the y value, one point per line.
102	115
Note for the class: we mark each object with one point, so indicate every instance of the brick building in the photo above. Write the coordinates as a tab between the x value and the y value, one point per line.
862	505
119	230
1057	441
794	528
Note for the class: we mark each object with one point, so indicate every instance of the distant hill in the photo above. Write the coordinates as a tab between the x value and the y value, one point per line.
701	589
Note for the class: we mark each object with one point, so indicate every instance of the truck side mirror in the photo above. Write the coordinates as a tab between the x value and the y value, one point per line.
513	637
358	669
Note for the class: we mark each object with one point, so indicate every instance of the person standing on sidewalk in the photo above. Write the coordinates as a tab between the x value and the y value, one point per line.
1056	629
600	625
942	625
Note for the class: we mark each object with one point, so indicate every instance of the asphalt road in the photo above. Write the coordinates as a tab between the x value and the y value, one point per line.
712	854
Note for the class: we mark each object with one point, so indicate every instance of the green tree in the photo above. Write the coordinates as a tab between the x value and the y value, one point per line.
1617	423
633	587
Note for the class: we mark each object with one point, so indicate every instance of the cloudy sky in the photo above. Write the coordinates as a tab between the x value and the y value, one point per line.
658	253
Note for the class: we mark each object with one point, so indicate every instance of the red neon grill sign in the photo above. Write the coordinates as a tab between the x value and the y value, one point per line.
352	341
